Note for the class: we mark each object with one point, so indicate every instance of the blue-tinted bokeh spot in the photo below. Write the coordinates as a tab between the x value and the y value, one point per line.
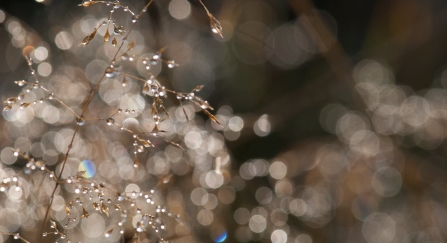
89	167
221	237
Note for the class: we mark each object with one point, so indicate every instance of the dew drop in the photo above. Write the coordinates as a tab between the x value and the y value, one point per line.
216	27
154	61
140	149
190	96
110	121
20	83
136	162
110	72
171	64
157	55
106	36
80	120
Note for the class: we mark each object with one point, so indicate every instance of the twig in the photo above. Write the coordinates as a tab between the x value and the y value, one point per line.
93	93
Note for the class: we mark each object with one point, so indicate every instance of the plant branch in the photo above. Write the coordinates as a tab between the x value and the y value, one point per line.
93	93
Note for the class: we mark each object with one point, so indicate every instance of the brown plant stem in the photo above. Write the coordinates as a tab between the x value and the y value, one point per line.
89	100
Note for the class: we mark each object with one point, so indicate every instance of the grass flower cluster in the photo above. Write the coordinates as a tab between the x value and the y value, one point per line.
106	168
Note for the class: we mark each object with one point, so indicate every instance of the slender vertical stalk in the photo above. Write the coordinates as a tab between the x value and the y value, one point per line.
87	103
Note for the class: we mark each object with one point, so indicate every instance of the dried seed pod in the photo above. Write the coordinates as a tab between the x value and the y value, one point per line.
96	206
53	224
175	144
145	88
108	233
117	207
85	214
20	82
24	105
147	143
136	162
67	209
211	116
7	108
89	38
131	45
11	100
197	88
86	3
105	209
216	27
106	36
124	83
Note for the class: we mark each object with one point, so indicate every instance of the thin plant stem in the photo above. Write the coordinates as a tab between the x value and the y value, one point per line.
89	100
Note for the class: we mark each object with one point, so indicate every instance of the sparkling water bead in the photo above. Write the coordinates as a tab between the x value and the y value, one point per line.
110	121
110	72
80	120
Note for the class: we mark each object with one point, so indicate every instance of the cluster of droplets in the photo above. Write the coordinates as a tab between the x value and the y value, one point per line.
118	30
156	59
11	181
153	88
111	121
143	220
124	202
62	234
13	100
97	193
32	163
29	87
112	71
